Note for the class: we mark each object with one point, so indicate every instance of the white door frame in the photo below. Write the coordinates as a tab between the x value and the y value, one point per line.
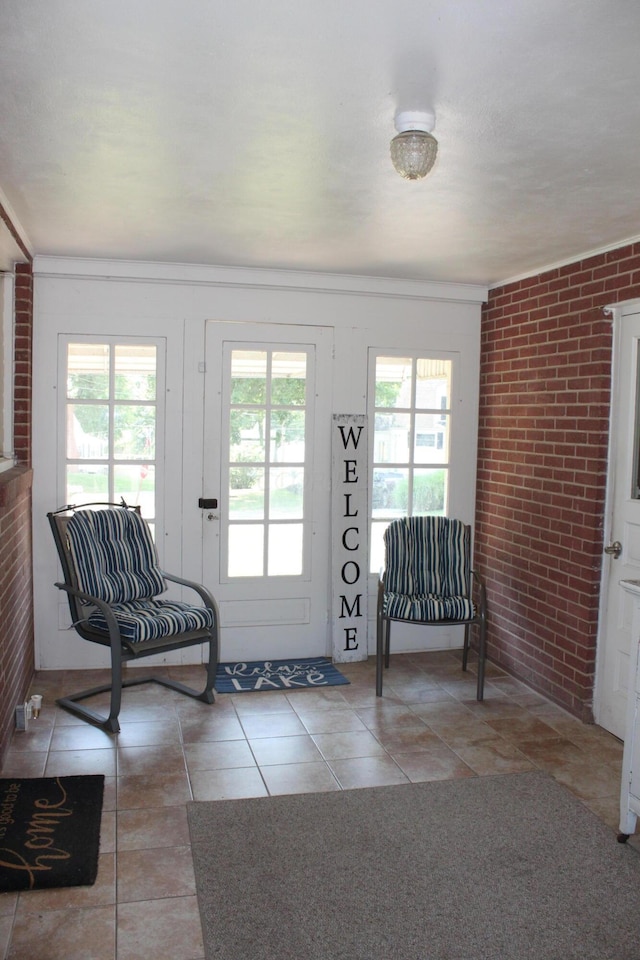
617	312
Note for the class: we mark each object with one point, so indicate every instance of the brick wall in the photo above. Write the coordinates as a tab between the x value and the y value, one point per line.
16	580
543	433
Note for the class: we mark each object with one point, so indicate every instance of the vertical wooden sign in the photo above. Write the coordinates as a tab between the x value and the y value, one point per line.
350	536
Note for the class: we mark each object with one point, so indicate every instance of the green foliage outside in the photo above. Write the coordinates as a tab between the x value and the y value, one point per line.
428	494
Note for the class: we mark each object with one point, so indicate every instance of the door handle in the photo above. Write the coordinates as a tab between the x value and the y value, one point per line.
614	549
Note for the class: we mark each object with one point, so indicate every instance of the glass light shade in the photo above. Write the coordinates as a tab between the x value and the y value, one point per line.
413	153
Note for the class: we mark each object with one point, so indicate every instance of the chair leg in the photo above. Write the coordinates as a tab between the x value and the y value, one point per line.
465	649
482	657
379	653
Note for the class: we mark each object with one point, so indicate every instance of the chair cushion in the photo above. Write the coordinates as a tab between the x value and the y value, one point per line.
114	555
142	620
427	556
399	606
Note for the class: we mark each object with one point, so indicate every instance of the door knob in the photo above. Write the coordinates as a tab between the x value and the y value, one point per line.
614	549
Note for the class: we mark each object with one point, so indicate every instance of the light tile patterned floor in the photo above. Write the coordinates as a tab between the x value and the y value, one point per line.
428	726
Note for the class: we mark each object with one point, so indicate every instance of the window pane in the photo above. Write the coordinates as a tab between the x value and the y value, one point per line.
87	431
433	384
389	494
245	550
288	378
87	482
393	382
286	488
287	436
247	430
391	438
246	493
88	371
285	550
135	372
377	545
429	492
431	439
248	376
136	483
134	428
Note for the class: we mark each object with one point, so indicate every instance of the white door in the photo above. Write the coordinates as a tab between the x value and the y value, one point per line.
267	464
622	529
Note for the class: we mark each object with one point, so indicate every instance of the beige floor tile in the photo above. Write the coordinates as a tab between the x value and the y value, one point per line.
464	732
266	703
521	729
303	701
493	757
149	759
367	772
160	929
108	832
428	765
146	828
228	784
281	750
413	739
142	734
299	778
342	746
77	934
23	764
272	725
6	926
154	874
70	763
155	790
221	727
218	755
8	904
332	721
81	737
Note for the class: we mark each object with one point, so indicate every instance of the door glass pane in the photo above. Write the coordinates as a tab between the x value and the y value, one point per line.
286	489
88	371
411	441
246	550
134	432
267	399
246	493
288	379
248	376
285	551
111	415
135	372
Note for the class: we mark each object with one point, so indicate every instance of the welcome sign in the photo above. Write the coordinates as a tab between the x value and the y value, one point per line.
350	536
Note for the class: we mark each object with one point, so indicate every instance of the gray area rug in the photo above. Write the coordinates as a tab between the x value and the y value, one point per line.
493	868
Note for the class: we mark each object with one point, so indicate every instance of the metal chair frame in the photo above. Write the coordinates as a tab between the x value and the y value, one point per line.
383	633
123	651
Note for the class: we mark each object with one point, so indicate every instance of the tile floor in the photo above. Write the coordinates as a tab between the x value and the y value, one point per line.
428	726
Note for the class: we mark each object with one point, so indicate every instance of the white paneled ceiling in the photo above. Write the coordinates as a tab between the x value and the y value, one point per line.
255	133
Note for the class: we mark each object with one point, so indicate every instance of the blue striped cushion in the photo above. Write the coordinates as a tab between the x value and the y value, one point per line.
114	555
427	575
427	555
151	619
401	607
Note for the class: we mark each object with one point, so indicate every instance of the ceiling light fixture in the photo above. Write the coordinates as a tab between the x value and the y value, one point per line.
414	150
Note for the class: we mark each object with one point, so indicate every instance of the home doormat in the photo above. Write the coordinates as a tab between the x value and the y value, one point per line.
246	677
49	832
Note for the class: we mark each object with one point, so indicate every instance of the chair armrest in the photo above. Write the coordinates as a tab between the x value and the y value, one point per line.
483	593
114	631
205	595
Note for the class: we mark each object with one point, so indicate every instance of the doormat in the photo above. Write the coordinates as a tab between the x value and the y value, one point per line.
277	675
49	832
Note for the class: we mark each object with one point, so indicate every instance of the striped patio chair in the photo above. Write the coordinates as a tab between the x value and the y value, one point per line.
427	580
113	584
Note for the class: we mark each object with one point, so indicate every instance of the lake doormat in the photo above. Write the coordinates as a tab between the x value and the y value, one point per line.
245	677
49	832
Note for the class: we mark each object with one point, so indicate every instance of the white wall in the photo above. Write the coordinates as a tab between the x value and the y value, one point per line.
121	298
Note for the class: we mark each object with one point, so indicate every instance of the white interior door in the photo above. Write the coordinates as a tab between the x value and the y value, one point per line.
622	547
267	464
